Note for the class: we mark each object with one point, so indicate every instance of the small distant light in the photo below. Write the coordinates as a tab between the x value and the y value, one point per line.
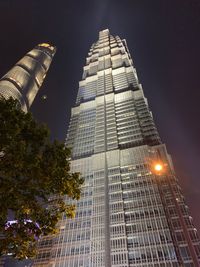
44	97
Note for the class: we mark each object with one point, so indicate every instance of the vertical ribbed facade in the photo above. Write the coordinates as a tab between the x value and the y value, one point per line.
24	80
128	215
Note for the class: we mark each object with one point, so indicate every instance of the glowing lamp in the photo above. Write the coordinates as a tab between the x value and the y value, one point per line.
158	167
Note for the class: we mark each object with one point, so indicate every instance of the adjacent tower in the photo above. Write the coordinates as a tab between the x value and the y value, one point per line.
24	80
132	211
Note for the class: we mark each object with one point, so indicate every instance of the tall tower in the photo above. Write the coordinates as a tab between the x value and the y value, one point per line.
24	80
132	211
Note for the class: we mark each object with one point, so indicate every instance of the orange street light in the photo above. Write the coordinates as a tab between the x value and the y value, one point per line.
158	167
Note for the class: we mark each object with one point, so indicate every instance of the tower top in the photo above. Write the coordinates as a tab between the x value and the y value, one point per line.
104	33
47	46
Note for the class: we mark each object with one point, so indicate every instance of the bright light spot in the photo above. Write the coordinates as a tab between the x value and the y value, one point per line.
158	167
44	97
44	44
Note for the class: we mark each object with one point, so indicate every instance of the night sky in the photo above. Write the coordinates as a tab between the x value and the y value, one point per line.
164	40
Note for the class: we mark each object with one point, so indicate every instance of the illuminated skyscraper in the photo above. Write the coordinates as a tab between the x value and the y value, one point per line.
24	80
132	211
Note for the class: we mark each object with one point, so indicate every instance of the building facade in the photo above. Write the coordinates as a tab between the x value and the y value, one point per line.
24	80
130	213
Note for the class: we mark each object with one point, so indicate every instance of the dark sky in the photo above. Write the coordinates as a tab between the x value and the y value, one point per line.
164	40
